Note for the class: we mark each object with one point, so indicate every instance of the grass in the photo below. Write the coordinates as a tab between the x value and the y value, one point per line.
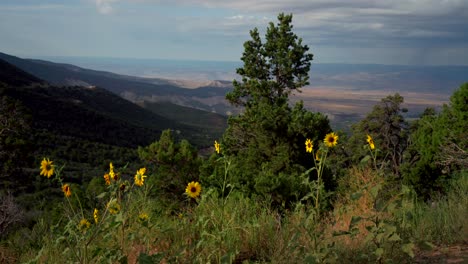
443	221
373	221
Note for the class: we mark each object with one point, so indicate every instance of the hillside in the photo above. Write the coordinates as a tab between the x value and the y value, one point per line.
91	114
86	127
10	75
207	121
66	74
85	99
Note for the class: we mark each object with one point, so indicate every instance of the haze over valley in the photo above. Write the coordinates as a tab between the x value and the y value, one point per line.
345	92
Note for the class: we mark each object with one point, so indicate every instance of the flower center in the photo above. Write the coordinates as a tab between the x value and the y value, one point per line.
193	189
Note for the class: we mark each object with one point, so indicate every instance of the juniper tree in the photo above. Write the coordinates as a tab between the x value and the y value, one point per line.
439	146
266	141
386	124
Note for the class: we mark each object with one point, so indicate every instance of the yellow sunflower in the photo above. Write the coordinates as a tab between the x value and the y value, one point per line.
114	176
107	179
309	145
317	155
371	142
96	215
140	177
47	169
193	189
217	147
143	217
331	139
84	225
66	190
113	207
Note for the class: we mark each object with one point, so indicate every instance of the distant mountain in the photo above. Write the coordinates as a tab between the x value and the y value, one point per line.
345	92
11	75
67	74
399	78
92	113
442	79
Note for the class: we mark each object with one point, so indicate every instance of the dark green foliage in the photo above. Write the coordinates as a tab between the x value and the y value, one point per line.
266	142
171	165
204	126
274	69
92	114
15	143
439	145
387	126
10	75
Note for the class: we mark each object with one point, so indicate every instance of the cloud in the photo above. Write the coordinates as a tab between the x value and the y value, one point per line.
346	22
31	7
104	6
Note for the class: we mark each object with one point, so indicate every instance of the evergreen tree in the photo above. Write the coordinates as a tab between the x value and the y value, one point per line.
173	164
266	142
388	128
439	145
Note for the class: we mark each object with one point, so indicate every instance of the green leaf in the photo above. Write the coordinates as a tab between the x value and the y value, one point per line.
408	249
119	218
310	259
374	191
356	196
365	159
379	237
379	252
354	221
394	237
426	245
391	207
100	196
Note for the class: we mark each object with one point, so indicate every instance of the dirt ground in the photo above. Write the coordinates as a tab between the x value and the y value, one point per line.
447	254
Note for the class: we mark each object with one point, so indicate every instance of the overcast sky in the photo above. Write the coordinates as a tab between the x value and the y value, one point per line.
427	32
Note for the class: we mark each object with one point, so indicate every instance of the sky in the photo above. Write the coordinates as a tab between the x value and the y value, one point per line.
406	32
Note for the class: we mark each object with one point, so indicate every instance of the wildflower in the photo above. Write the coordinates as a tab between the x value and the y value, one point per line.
107	179
114	176
217	148
47	169
331	139
371	142
317	155
84	225
66	190
122	186
96	215
193	189
113	206
140	177
143	217
309	145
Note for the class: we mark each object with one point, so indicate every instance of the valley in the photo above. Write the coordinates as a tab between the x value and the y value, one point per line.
344	92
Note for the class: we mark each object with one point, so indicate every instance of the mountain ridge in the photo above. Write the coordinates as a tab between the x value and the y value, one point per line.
101	115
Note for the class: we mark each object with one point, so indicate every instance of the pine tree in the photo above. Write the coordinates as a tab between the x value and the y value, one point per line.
266	141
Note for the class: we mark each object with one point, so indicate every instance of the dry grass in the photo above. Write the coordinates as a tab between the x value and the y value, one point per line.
362	181
336	100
